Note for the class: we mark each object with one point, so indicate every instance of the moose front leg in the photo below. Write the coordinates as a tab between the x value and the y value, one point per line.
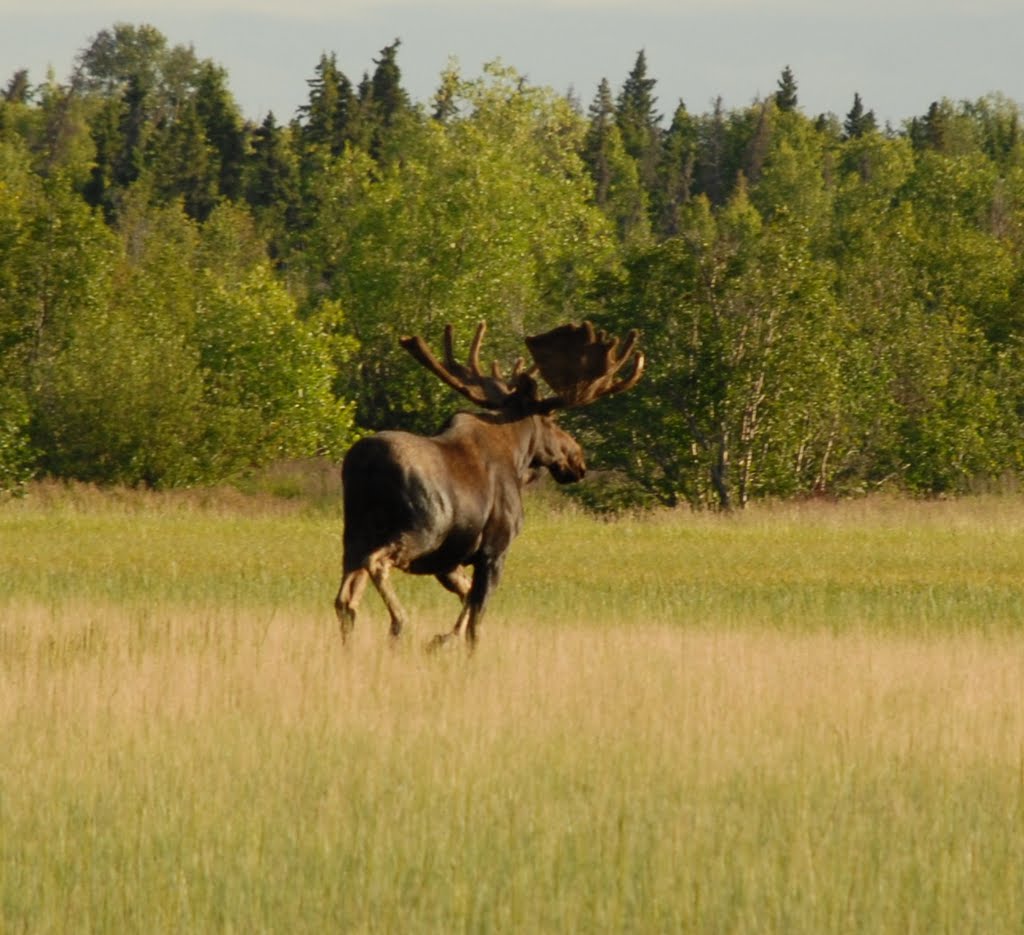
486	572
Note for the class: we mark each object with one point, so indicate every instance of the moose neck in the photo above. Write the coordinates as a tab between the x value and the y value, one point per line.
518	437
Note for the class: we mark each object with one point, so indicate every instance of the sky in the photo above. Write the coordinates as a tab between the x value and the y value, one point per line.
899	55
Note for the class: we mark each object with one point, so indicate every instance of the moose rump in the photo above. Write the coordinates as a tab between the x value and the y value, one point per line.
402	495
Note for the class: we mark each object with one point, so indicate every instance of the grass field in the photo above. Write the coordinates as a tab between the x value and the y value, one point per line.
805	719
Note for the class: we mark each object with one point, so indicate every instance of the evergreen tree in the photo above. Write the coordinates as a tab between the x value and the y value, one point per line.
185	166
389	97
786	96
638	120
929	132
222	126
390	102
133	129
272	183
678	165
858	121
327	117
617	189
363	122
713	176
596	143
162	118
18	89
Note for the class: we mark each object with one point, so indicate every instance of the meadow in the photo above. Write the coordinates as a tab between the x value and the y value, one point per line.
808	718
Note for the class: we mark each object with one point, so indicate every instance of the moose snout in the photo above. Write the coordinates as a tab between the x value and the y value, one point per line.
569	471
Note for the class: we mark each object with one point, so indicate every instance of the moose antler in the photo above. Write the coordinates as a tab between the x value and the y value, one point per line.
581	364
490	391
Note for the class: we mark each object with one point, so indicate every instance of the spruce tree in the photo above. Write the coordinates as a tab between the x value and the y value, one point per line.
929	132
596	143
638	121
712	165
184	165
676	178
858	121
327	118
786	96
617	188
272	183
18	88
222	126
134	129
389	99
271	173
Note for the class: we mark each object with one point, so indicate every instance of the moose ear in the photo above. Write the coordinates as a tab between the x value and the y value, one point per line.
545	407
526	396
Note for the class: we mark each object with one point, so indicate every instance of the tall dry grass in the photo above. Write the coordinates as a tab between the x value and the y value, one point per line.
807	720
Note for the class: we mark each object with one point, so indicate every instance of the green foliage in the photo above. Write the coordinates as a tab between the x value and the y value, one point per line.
168	355
487	217
16	456
268	377
827	307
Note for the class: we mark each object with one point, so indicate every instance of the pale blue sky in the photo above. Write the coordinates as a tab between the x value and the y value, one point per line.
899	55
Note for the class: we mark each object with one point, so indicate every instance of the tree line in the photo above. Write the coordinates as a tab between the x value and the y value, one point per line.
828	306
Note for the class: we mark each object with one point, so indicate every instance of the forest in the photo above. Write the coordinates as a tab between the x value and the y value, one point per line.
829	306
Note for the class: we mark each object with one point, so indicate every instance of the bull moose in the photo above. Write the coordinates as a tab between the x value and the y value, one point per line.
434	506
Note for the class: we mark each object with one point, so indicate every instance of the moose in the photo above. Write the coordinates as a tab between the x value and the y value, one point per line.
437	505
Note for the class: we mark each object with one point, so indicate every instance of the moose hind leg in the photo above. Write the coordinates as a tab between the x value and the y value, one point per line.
353	584
380	567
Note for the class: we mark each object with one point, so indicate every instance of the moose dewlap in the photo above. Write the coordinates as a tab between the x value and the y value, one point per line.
453	501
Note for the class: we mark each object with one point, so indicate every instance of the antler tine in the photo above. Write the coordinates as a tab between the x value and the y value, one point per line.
627	348
630	381
474	348
520	369
491	392
449	349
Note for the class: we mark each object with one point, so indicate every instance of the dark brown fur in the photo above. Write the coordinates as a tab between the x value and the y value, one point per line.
431	506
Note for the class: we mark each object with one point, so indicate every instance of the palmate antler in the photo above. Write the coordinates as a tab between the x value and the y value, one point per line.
577	362
581	364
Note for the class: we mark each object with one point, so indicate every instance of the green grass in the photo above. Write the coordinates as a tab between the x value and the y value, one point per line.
803	719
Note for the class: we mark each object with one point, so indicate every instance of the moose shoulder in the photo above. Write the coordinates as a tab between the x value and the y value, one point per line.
434	506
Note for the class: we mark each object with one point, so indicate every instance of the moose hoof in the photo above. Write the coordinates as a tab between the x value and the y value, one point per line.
434	644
